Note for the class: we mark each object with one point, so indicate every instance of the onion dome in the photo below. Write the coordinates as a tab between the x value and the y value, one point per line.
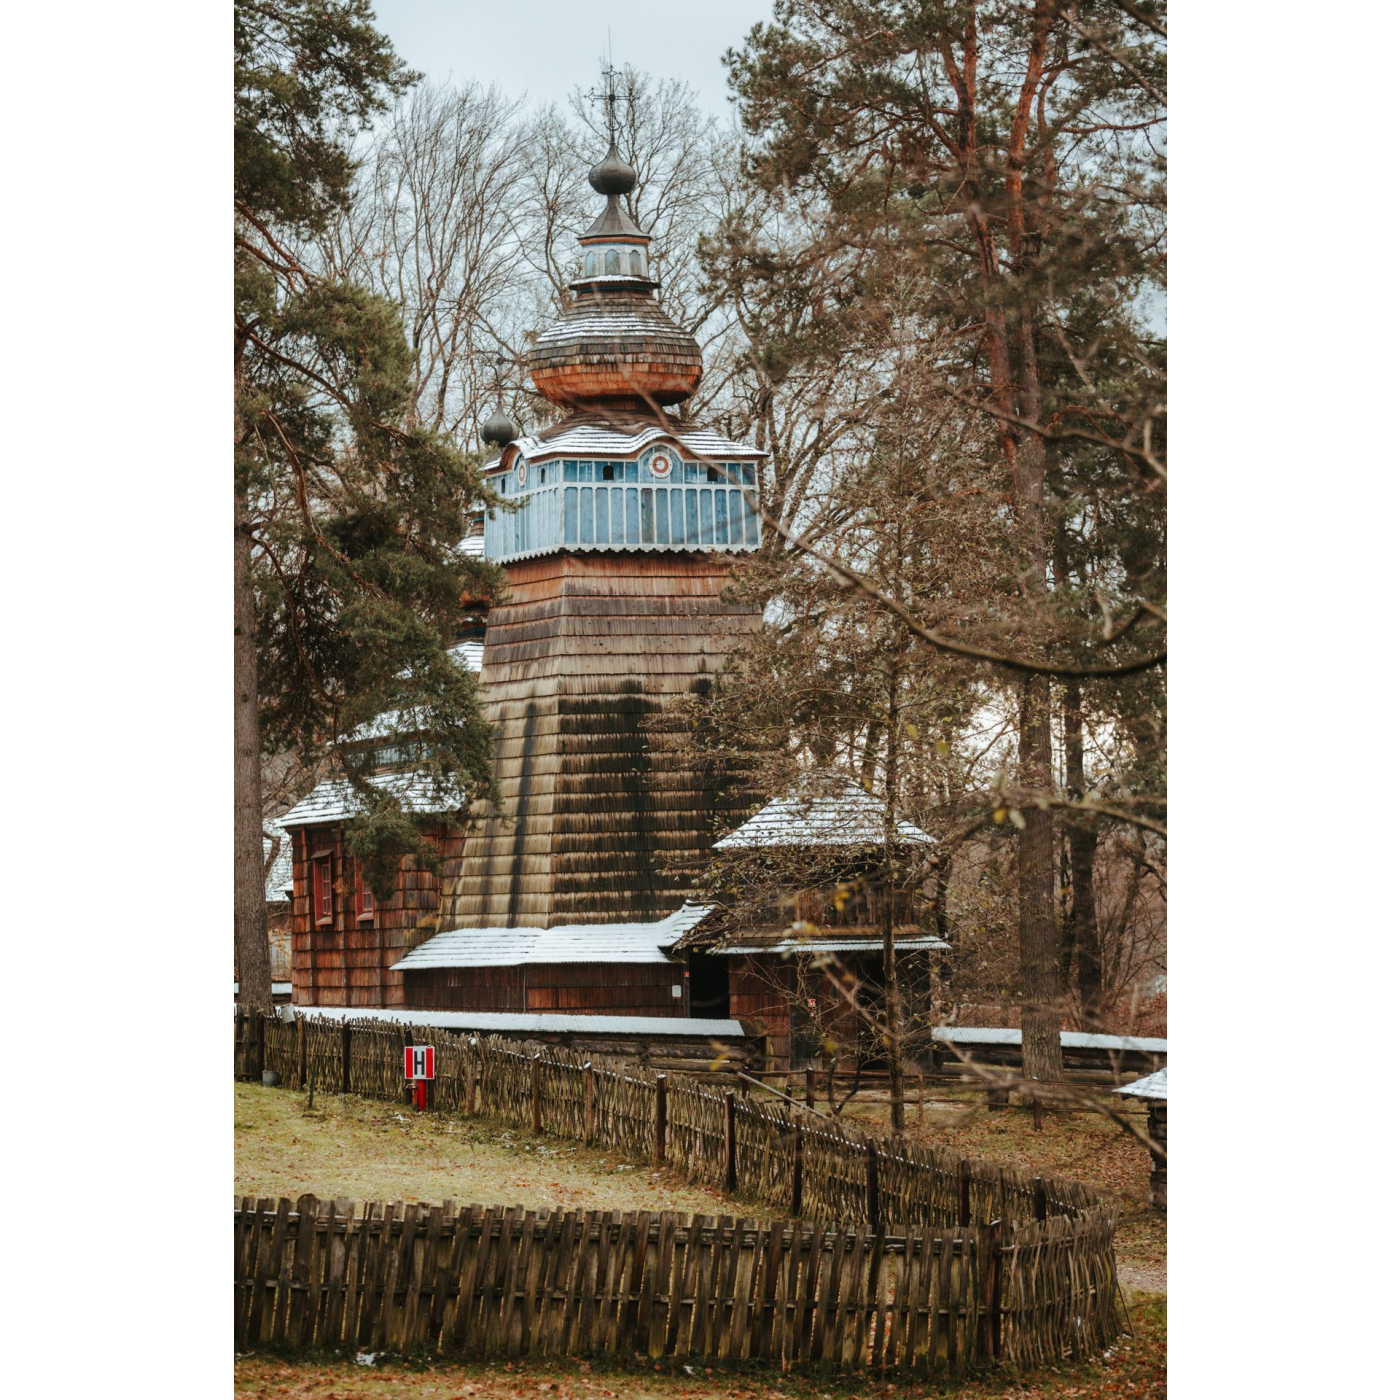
612	175
614	347
497	431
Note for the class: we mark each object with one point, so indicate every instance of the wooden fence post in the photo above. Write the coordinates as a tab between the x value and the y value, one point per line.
301	1052
996	1290
345	1033
964	1192
731	1165
660	1120
989	1291
535	1094
811	1078
1041	1205
797	1171
921	1098
590	1102
261	1047
471	1079
872	1184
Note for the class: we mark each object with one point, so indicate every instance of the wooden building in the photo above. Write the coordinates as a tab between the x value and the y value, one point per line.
574	897
1153	1090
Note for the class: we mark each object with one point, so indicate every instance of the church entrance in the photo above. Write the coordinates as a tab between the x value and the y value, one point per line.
709	984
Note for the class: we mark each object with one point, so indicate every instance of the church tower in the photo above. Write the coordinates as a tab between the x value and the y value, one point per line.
619	529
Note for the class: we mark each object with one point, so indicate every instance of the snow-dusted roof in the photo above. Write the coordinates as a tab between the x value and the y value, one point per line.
1070	1040
468	653
590	440
525	1023
848	816
834	944
567	943
1154	1086
335	800
278	884
474	546
279	989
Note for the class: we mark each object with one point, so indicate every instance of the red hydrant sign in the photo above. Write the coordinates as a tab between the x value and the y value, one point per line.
418	1062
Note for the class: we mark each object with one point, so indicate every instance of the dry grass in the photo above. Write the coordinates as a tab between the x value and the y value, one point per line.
372	1151
1135	1370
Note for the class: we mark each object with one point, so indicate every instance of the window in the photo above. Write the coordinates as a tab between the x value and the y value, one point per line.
608	469
322	891
612	262
636	260
364	896
590	264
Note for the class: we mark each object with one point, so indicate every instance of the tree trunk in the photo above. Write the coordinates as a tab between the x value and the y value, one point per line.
1035	866
894	1011
249	900
1083	844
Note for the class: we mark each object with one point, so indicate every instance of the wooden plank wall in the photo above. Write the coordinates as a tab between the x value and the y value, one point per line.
578	663
617	989
348	963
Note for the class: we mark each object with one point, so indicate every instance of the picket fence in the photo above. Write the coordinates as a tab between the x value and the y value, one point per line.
1055	1290
479	1281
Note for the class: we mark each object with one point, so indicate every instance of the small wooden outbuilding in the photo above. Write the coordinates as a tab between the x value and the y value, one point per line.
1154	1089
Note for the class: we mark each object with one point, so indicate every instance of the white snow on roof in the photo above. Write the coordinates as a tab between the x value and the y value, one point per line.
848	817
1070	1040
567	943
278	885
831	945
474	546
611	326
1154	1086
335	800
468	653
588	440
279	989
525	1023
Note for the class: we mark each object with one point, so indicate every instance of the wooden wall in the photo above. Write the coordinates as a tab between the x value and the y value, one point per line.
348	963
599	989
580	657
754	999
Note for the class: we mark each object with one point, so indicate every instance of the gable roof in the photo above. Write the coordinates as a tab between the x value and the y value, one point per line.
844	816
565	943
335	800
597	439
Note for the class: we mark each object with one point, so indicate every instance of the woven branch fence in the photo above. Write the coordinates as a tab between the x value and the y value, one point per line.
1056	1288
478	1281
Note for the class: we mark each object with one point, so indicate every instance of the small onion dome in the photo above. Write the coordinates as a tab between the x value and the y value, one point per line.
497	431
612	174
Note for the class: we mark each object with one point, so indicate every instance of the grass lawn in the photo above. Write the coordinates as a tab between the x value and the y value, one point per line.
373	1151
1136	1370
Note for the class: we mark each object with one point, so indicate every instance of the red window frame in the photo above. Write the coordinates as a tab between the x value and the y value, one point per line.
365	907
322	890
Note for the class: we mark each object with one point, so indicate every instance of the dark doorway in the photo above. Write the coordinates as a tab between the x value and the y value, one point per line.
709	985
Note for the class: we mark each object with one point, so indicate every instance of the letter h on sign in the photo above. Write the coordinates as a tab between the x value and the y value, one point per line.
418	1062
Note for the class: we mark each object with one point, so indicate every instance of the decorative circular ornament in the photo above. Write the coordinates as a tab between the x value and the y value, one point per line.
661	463
522	469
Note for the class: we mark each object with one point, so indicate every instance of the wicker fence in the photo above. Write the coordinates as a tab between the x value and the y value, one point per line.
1055	1288
497	1281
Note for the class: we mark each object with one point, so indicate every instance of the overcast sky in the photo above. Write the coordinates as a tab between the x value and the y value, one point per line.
547	47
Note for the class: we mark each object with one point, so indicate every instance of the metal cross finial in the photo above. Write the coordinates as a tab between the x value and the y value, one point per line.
610	97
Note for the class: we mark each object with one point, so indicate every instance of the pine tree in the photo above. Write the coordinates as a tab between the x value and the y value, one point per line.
347	576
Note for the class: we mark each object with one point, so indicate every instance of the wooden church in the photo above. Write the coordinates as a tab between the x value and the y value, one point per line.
569	908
